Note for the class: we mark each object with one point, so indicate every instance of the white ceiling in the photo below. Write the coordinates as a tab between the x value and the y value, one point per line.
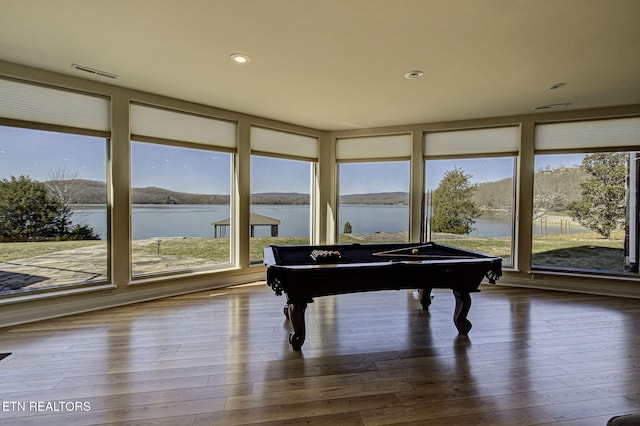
339	64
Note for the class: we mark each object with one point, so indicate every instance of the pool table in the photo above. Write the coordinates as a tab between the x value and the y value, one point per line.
303	272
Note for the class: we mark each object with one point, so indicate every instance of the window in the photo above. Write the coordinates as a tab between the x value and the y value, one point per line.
53	160
53	210
469	204
282	166
181	168
373	188
585	209
469	182
373	202
280	203
180	197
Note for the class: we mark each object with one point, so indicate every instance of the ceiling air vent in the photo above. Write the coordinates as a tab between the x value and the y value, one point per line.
94	71
550	106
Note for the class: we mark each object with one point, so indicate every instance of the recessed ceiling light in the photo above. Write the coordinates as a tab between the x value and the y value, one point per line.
239	58
413	74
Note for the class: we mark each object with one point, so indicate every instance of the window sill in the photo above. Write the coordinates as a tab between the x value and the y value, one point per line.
10	298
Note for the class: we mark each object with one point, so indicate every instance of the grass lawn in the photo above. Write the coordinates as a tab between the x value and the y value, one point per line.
213	248
14	251
586	252
581	253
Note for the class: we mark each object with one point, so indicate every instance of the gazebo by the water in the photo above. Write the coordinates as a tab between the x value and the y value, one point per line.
220	227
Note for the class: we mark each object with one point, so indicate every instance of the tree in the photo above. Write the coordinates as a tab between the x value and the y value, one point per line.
60	188
83	232
602	207
60	184
453	209
27	212
347	228
555	189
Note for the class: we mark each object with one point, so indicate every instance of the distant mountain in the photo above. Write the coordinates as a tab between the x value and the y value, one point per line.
154	195
83	191
280	198
563	181
386	198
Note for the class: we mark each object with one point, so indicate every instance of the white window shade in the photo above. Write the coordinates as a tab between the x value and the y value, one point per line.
270	141
374	147
177	126
39	104
588	134
472	142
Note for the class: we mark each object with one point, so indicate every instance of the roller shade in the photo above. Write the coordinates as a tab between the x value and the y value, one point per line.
471	142
177	126
285	144
588	134
40	104
372	147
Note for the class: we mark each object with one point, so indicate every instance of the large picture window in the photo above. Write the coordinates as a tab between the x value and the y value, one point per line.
585	206
373	202
373	188
53	210
280	203
469	182
469	204
282	167
179	197
585	214
53	196
181	167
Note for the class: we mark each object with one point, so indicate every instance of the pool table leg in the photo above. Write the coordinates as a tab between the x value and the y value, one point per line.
295	313
425	297
463	304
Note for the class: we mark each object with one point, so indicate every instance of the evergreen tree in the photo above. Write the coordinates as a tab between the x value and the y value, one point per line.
453	210
27	213
602	207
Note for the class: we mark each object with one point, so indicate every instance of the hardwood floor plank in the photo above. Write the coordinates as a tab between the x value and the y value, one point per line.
351	418
593	392
291	412
520	417
77	393
245	402
413	412
609	406
124	415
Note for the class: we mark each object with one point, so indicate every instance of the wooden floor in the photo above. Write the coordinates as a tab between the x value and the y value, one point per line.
221	357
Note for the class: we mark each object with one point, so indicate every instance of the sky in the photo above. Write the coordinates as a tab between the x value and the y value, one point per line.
494	168
38	154
180	169
479	169
363	178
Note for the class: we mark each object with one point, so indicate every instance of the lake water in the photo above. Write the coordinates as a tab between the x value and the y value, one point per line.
149	221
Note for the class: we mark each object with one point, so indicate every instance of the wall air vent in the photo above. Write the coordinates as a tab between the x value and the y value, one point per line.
550	106
94	71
